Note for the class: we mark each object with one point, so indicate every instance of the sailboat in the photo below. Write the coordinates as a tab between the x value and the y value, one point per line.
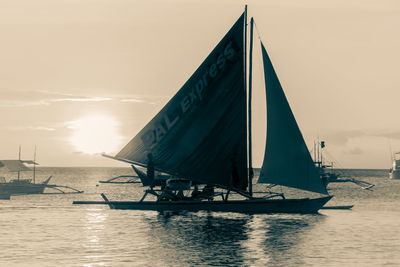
202	136
23	186
326	170
330	175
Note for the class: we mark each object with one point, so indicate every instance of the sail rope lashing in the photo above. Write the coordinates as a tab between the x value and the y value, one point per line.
258	32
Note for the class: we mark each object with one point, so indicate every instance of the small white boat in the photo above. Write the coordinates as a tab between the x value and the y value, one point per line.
394	172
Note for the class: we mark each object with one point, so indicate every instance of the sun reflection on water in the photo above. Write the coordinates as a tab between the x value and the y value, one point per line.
94	226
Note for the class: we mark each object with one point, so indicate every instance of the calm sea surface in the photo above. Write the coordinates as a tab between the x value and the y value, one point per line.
47	230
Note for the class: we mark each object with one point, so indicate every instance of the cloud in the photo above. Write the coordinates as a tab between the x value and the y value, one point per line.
82	99
343	137
30	128
134	100
41	128
354	151
27	98
138	101
142	99
6	103
390	135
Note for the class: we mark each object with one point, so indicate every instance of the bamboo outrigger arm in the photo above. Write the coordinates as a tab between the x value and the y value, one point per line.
58	188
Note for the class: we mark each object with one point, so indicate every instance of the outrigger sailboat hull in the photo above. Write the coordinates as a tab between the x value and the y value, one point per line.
248	206
21	189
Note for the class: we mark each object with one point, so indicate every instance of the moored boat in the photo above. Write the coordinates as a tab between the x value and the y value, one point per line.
394	172
24	186
20	186
327	172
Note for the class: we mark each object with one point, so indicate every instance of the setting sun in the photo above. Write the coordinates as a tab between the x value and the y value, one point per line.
95	134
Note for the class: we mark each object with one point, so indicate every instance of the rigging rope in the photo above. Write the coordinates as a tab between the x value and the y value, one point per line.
258	33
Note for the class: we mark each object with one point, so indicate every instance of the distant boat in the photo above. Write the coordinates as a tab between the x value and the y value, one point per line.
19	186
394	172
327	171
201	137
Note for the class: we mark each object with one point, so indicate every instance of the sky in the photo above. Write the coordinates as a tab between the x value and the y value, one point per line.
79	77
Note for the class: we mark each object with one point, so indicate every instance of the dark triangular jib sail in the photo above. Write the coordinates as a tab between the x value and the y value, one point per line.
287	160
201	133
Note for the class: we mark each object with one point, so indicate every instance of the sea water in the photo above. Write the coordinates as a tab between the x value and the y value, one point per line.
47	230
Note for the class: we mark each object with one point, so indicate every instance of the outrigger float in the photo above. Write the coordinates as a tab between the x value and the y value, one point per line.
203	138
139	178
122	179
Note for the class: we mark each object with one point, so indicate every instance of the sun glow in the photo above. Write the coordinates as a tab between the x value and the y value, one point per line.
95	134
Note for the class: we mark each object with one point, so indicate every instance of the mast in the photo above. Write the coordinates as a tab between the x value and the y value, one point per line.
319	163
391	153
315	157
19	158
245	80
245	48
322	147
34	166
251	173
